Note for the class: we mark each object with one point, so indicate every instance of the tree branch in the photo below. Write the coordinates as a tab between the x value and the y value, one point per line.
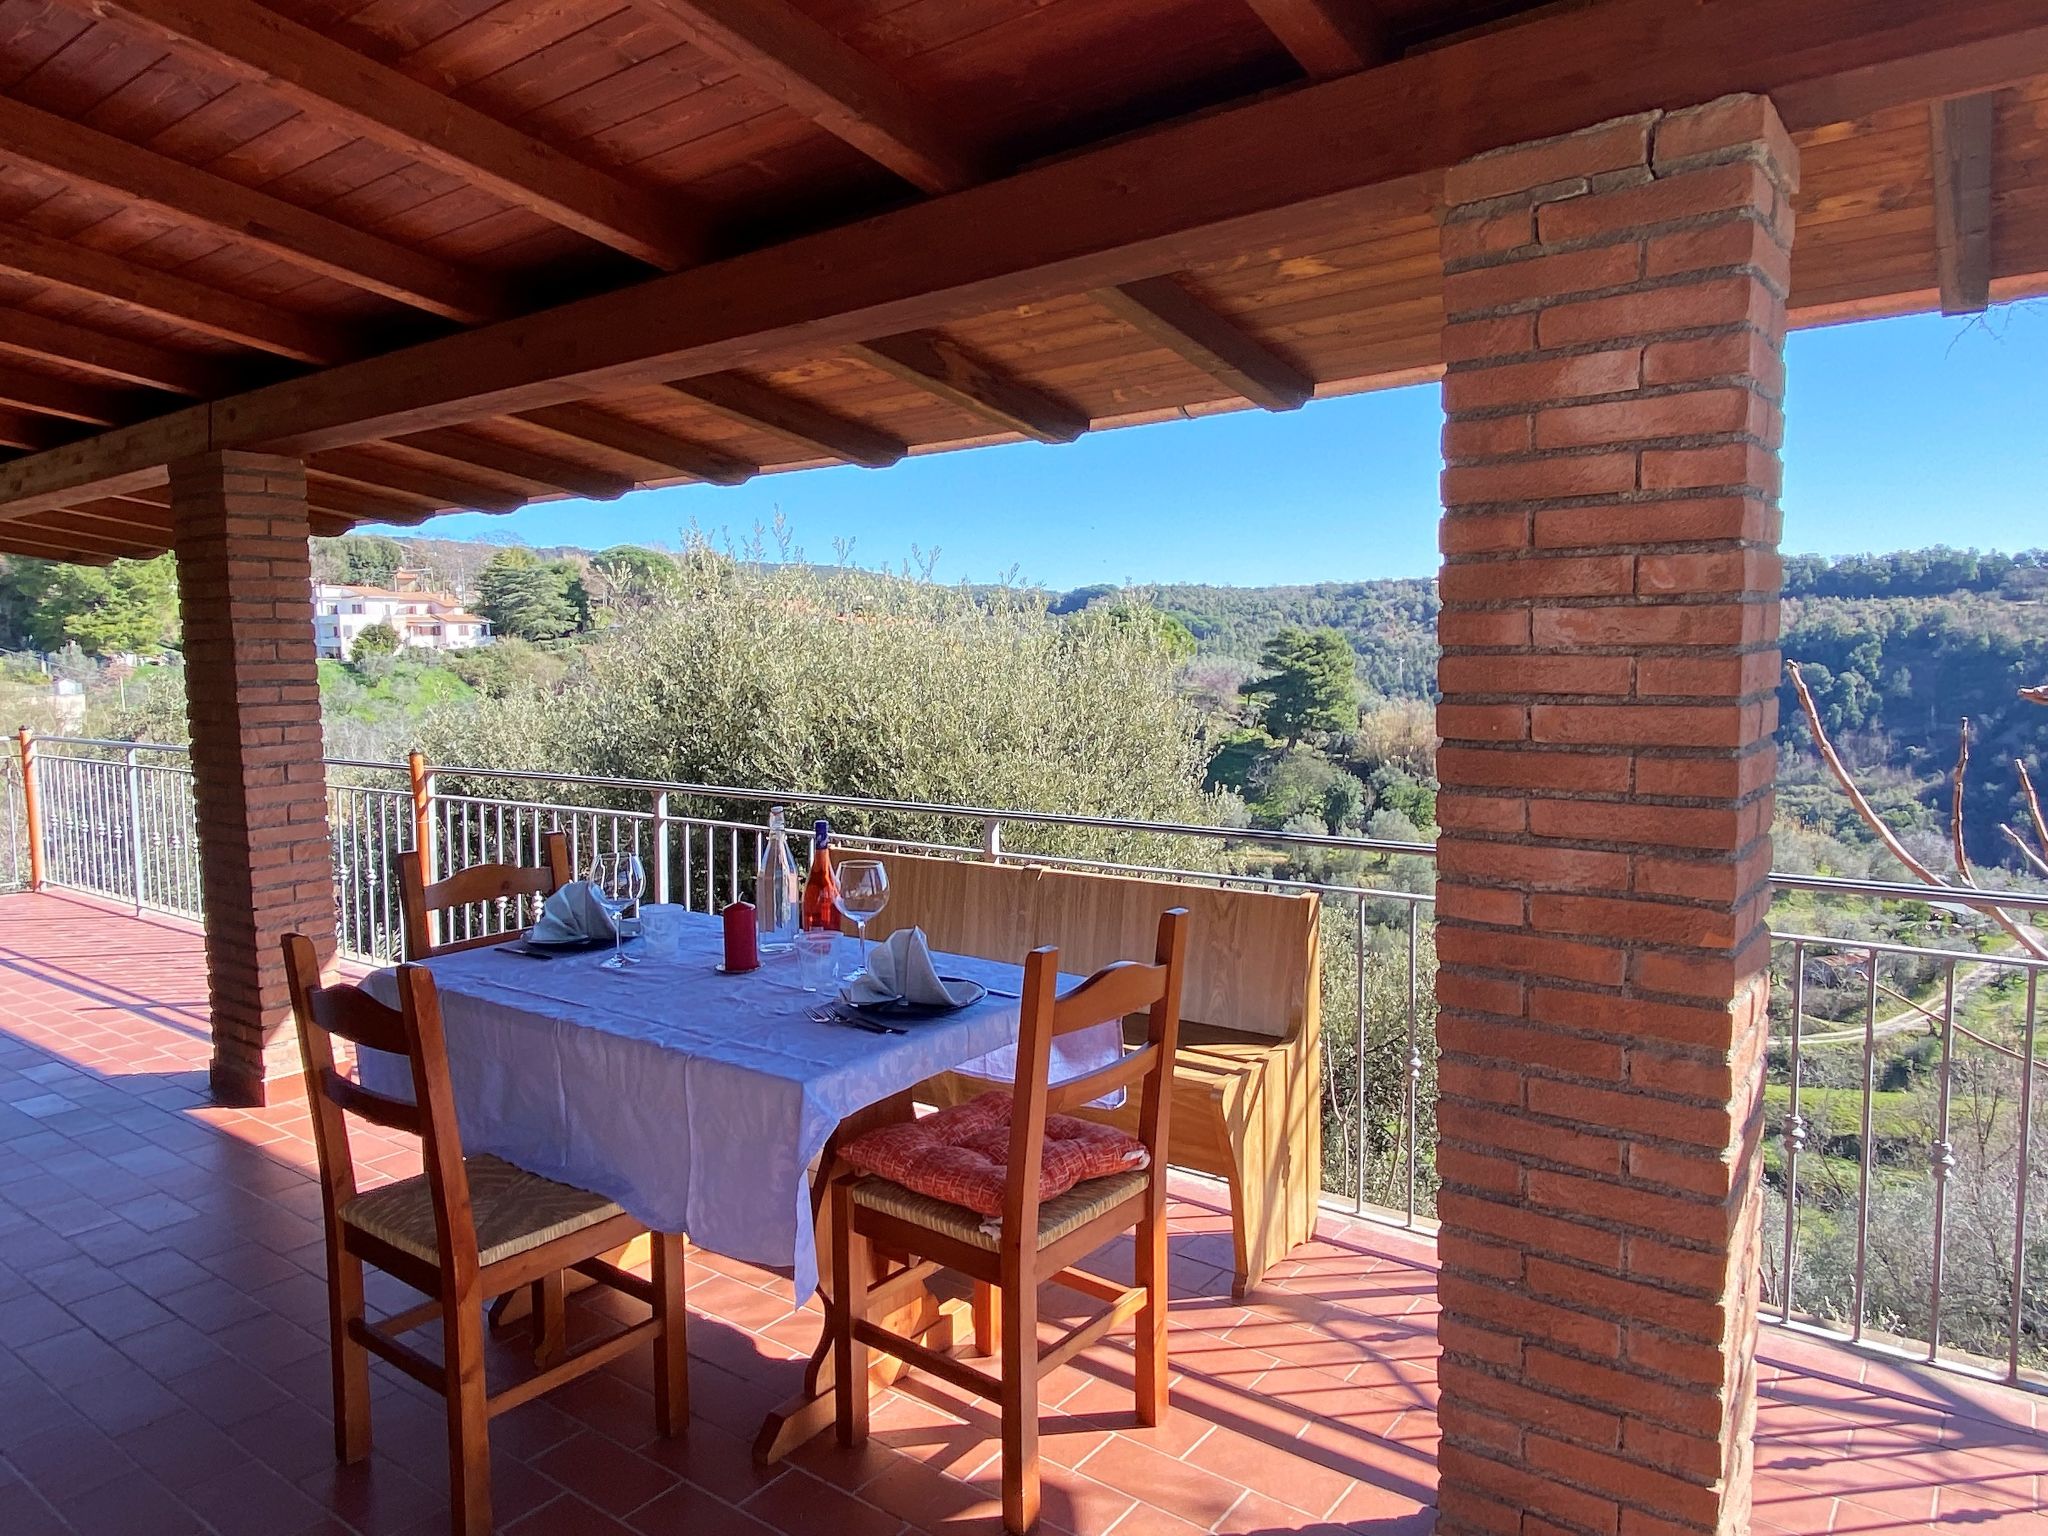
2040	865
1955	812
2030	942
2034	811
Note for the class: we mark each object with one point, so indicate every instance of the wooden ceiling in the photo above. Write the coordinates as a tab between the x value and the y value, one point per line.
473	253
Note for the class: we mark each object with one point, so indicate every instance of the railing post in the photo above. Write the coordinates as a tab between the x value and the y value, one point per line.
991	838
422	811
132	772
31	808
661	826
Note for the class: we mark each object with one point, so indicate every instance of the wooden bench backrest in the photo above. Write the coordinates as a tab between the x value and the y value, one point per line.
1252	955
964	906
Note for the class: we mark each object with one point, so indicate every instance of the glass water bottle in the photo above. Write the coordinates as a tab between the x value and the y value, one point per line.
777	890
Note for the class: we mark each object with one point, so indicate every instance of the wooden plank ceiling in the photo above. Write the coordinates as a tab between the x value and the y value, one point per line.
211	209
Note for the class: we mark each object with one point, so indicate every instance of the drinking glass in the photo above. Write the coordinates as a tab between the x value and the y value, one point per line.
814	958
863	891
619	882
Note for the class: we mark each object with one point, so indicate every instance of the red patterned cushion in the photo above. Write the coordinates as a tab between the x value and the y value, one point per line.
961	1155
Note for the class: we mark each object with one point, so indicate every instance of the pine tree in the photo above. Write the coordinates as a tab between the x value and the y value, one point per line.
527	598
1311	686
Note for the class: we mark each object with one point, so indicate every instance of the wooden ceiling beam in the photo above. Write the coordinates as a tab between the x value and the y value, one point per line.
850	97
1328	38
542	470
151	507
650	445
329	80
64	541
1167	313
751	403
376	473
115	357
1961	131
942	367
152	516
29	547
1208	188
26	430
45	395
312	241
112	517
364	505
835	86
210	311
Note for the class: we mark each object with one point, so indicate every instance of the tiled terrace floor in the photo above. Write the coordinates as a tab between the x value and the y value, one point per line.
162	1367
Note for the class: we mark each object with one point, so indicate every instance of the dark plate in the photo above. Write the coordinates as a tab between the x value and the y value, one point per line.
560	946
900	1008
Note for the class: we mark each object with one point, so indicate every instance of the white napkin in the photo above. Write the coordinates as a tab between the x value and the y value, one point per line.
901	966
573	912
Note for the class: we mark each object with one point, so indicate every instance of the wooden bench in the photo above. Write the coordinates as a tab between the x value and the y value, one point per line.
1247	1085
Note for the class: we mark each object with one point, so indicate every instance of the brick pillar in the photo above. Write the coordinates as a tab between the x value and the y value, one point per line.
253	693
1615	307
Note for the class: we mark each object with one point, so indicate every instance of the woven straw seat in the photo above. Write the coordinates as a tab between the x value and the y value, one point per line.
514	1210
1056	1217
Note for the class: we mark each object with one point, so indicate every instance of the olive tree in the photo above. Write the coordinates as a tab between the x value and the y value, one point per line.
840	681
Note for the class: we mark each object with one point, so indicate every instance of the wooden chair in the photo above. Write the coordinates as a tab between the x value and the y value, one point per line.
1247	1078
474	886
1037	1242
463	1231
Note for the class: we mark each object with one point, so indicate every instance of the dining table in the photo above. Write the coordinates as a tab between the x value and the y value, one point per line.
702	1101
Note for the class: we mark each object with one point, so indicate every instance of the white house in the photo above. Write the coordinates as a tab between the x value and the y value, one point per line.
433	621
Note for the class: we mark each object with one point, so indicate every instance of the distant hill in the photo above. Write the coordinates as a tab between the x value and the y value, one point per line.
1894	677
1899	646
1391	624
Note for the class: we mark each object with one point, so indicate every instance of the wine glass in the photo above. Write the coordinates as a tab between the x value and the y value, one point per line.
863	891
619	881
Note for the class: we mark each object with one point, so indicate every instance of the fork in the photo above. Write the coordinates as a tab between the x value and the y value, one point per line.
872	1026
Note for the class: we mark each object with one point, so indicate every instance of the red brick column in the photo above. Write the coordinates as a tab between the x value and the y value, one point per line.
1615	316
253	694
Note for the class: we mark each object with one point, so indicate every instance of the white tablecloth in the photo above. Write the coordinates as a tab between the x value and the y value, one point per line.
694	1099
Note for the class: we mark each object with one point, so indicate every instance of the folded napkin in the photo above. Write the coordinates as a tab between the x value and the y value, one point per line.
900	966
572	913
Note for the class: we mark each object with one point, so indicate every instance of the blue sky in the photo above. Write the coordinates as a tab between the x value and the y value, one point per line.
1900	433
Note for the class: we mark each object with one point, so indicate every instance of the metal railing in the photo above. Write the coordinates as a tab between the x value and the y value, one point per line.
14	872
1916	1215
1912	1194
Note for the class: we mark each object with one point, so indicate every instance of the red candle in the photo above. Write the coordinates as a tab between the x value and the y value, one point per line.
742	938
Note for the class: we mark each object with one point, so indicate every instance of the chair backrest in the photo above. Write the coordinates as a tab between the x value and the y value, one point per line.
1109	996
1254	965
481	885
325	1013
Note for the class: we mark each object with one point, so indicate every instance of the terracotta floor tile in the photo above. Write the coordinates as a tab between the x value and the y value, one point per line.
690	1511
604	1472
129	1504
1256	1515
933	1501
251	1500
1272	1469
1195	1495
567	1516
1149	1520
797	1503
